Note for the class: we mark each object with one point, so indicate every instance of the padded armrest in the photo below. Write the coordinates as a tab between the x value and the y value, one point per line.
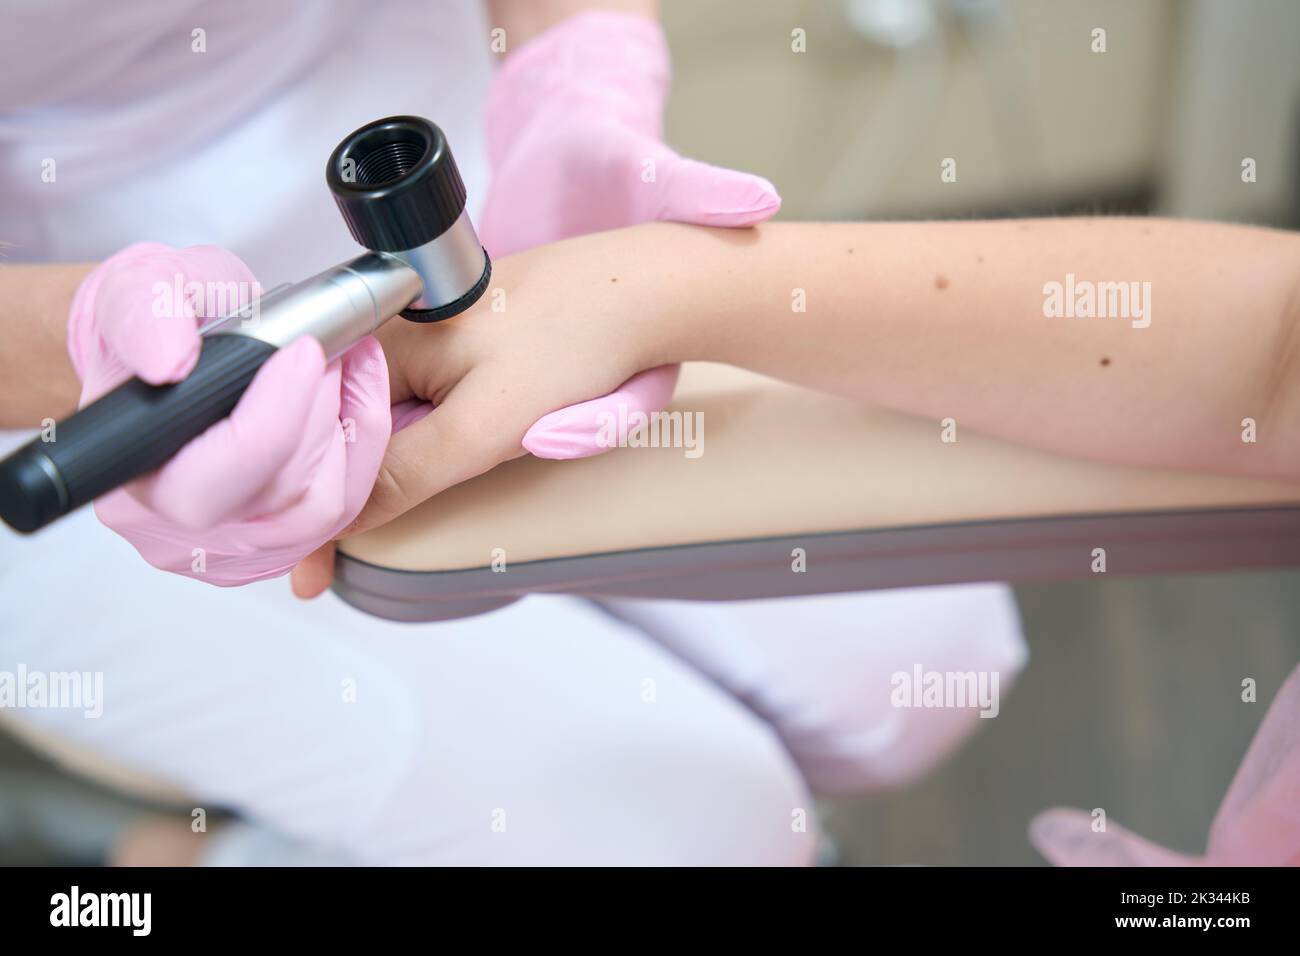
875	499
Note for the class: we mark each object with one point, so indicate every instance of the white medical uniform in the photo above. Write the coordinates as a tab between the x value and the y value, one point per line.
552	731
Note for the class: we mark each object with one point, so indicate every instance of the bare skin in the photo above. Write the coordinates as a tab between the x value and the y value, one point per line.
936	319
38	379
940	320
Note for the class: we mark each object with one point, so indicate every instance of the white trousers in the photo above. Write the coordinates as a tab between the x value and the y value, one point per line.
552	731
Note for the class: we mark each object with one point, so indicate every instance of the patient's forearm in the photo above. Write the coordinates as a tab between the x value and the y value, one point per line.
37	380
947	320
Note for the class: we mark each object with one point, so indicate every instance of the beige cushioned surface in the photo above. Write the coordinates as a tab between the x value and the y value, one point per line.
777	460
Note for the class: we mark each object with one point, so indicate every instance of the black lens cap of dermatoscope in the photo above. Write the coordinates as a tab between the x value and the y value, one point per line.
396	183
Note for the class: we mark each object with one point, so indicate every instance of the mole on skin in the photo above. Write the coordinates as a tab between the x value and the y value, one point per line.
1105	361
941	282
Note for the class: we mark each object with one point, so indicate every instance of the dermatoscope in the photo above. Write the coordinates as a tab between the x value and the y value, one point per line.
402	197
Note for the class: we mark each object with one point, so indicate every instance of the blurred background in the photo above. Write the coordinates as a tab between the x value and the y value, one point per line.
856	126
1132	697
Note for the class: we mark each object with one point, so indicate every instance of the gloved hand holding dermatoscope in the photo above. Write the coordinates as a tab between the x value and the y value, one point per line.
398	188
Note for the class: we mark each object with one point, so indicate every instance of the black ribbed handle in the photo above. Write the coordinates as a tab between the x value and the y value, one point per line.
129	432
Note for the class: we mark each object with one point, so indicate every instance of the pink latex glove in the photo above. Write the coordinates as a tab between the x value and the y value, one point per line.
1258	823
286	471
575	139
